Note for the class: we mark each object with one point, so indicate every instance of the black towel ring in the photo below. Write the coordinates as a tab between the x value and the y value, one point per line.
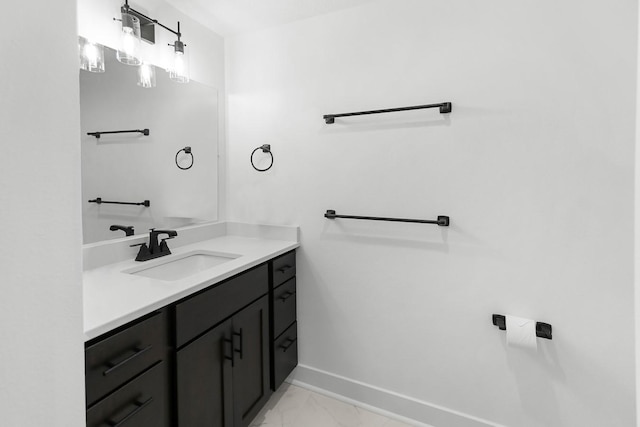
266	148
187	150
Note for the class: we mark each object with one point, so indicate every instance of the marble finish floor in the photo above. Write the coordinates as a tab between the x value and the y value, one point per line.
293	406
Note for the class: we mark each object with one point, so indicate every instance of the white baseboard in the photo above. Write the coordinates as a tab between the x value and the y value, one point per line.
388	403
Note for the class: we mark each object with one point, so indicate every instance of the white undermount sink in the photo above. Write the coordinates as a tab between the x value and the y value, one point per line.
176	267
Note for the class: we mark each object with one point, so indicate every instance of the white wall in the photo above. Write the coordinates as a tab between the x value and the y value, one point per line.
41	339
535	167
637	236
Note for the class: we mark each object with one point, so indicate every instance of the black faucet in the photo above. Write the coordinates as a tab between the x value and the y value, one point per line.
128	229
155	249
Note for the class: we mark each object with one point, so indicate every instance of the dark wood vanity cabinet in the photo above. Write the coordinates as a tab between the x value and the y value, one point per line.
284	337
126	374
223	375
209	360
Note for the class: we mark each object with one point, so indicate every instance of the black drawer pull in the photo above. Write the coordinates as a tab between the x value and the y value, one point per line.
226	341
113	366
284	268
286	296
140	407
240	350
287	345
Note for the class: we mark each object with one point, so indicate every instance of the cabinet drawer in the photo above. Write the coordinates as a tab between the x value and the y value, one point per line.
284	268
203	311
284	306
118	358
140	403
285	355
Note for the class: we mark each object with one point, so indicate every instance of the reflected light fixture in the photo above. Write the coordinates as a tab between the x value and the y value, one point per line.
91	56
146	75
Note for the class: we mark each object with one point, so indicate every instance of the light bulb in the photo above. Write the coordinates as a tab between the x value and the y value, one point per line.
180	69
130	40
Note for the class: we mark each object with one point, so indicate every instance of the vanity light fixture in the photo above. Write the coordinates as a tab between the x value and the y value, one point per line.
179	69
179	72
129	52
137	26
91	56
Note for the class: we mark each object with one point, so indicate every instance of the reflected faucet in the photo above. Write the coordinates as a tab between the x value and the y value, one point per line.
128	229
155	249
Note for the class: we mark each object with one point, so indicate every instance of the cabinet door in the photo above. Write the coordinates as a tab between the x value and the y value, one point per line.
251	372
204	380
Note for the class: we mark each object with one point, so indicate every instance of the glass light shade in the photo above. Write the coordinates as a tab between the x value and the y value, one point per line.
130	44
91	56
179	71
146	75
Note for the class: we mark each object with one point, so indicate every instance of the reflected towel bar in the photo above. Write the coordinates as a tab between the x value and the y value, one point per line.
445	107
145	132
99	201
442	221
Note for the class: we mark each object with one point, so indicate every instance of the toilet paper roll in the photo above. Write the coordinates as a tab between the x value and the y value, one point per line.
521	333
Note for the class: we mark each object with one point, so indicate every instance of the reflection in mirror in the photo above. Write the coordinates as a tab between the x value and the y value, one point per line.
134	167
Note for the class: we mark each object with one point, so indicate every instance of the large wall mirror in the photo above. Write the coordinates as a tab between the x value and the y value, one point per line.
132	167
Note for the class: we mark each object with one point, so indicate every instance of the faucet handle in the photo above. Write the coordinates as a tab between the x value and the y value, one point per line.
164	248
143	253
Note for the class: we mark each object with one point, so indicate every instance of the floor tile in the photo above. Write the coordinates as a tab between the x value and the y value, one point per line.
293	406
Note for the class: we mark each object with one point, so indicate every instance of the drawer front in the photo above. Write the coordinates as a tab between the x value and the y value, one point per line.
118	358
140	403
203	311
284	306
285	355
284	268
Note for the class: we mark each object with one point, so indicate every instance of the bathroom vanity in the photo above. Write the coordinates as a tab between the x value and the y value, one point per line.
210	352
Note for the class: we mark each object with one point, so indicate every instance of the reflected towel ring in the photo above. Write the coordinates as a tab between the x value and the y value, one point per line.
266	148
187	150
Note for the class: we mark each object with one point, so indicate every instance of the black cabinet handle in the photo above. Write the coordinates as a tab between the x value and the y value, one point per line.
284	268
287	345
286	296
140	407
240	350
113	366
226	341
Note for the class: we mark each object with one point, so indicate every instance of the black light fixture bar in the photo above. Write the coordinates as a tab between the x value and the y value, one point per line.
442	221
145	132
99	201
445	107
145	21
154	21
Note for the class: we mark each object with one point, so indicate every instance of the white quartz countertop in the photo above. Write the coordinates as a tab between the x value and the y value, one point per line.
113	298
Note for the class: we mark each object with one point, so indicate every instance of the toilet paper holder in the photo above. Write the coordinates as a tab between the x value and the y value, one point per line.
543	330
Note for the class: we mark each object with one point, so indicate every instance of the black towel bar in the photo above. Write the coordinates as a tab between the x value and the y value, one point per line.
145	132
442	221
445	107
99	201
